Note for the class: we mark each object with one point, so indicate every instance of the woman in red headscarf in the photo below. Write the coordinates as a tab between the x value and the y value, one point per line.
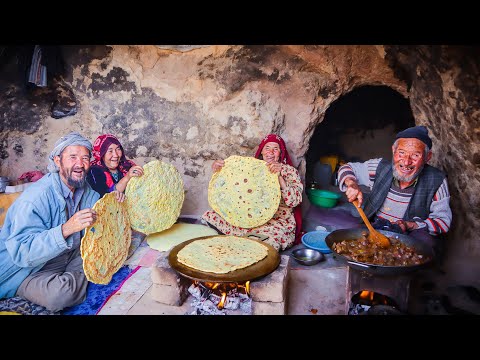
284	229
110	170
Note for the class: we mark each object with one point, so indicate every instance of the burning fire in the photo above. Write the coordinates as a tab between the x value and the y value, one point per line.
373	298
367	295
224	289
222	300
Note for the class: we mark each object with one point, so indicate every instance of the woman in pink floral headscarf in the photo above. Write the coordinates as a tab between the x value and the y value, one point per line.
110	170
284	229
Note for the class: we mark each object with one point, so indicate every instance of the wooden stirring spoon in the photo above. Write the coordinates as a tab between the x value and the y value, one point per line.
373	235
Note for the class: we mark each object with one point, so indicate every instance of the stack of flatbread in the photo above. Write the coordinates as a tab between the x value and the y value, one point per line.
105	245
155	199
178	233
222	254
244	192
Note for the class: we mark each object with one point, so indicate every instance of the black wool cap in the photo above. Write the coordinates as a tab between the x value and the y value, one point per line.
417	132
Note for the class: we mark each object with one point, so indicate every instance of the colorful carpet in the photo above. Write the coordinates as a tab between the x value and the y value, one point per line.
24	307
98	295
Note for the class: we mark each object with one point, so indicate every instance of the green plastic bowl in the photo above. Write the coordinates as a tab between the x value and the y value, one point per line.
323	198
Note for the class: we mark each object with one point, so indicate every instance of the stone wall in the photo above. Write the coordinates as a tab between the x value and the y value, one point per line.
444	88
188	107
191	105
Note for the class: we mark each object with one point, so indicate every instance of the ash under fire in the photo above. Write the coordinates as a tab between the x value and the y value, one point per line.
207	302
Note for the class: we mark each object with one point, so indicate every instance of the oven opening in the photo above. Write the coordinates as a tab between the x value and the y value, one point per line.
366	301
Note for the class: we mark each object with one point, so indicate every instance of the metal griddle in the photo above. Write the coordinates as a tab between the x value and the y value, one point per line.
259	269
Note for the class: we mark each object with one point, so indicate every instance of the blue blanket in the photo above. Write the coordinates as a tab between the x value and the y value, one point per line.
98	294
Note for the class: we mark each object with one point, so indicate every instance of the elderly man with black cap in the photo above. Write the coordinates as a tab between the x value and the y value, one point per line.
40	241
408	195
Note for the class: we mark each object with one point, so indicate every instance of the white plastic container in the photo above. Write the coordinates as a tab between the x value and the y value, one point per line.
16	188
4	181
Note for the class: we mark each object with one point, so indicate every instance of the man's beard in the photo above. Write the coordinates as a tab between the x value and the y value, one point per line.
72	182
404	178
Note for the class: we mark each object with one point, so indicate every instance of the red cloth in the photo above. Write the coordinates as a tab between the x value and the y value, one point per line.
100	147
284	158
31	176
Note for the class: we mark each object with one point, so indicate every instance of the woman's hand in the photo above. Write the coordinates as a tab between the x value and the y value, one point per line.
120	196
274	167
135	171
217	165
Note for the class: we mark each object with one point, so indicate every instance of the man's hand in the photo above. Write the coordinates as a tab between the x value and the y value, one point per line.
120	196
353	191
79	221
407	225
217	165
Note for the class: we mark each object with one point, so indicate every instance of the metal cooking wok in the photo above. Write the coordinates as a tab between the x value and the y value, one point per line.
350	234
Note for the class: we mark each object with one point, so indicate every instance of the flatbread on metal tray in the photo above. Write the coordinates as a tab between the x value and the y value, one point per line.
244	192
104	247
176	234
155	199
222	254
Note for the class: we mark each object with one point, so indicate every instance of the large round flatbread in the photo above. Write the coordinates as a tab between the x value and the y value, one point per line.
244	192
155	199
222	254
178	233
105	245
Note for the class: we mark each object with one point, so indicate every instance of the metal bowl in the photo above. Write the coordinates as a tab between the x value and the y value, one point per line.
308	256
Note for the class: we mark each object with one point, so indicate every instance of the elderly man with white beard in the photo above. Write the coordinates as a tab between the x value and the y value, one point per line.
40	241
408	195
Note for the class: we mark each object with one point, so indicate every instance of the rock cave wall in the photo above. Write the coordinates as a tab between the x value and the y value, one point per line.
190	105
444	88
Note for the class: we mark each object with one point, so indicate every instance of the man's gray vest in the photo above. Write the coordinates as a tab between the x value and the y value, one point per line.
428	183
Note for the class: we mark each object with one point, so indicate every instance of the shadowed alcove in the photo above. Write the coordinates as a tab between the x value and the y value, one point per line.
358	126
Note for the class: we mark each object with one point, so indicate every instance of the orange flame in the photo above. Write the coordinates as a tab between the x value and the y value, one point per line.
222	300
224	288
374	298
365	294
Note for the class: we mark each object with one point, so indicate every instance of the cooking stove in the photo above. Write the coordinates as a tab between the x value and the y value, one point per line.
366	290
266	295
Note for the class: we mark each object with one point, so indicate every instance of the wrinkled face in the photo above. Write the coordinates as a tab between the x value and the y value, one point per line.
409	159
112	156
74	163
271	152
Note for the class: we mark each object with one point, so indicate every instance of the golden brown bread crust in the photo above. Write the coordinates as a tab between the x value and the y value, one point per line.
244	192
105	245
155	199
222	254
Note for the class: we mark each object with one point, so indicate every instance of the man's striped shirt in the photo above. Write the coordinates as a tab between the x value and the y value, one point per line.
397	199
